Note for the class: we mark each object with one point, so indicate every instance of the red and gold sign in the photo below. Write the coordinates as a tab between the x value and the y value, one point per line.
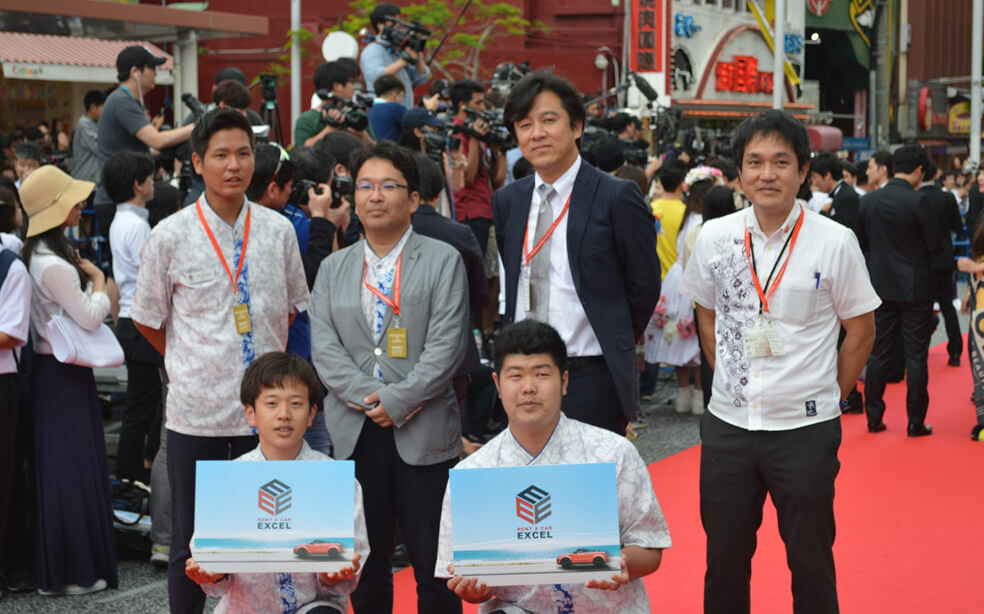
742	75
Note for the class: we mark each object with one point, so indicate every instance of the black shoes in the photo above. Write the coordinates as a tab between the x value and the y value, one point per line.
919	430
954	361
877	428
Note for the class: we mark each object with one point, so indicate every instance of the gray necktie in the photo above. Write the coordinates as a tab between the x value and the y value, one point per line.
540	267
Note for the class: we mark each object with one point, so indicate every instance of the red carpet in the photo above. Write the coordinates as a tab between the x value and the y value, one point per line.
910	517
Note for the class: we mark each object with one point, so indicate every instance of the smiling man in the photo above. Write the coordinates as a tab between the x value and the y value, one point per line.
578	249
770	308
388	328
217	284
532	377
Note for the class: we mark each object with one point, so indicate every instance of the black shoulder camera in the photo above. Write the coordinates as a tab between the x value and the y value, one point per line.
498	134
341	186
400	35
353	111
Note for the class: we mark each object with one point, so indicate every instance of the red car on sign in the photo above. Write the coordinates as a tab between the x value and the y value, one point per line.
582	556
318	546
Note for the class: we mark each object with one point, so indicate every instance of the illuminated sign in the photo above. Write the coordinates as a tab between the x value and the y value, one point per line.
648	36
742	75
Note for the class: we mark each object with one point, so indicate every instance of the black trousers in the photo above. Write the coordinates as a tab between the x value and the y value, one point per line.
143	404
9	408
591	395
411	496
797	468
913	324
182	453
944	296
480	228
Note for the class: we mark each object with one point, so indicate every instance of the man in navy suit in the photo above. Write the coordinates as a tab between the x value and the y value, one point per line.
578	249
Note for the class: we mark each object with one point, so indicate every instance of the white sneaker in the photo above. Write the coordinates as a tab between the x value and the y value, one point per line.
160	554
75	589
697	402
684	400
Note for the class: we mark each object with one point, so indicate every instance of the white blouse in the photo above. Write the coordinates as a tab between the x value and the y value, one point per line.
57	291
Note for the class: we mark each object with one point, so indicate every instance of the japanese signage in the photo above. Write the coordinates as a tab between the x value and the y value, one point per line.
958	118
742	75
648	37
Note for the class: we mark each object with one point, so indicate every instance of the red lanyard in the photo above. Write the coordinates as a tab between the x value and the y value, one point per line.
763	296
395	303
546	236
215	244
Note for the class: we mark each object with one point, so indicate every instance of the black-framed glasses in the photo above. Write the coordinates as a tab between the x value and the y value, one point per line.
387	187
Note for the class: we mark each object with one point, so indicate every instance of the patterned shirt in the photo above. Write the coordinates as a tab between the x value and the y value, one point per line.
182	286
825	282
266	593
380	274
640	519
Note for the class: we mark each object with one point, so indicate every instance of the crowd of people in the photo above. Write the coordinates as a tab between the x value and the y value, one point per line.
455	280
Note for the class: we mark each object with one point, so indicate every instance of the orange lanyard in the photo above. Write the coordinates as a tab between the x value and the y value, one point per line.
546	236
215	244
791	241
395	302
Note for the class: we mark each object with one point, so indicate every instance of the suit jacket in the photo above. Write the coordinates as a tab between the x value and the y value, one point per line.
434	311
844	209
948	220
428	222
975	207
611	245
899	235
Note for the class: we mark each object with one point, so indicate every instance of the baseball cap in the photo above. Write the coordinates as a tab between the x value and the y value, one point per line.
230	72
419	116
136	55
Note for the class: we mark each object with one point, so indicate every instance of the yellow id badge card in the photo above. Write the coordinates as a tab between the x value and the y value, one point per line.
396	342
241	315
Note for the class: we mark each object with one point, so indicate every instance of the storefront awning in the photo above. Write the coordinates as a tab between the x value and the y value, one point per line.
825	138
68	58
734	110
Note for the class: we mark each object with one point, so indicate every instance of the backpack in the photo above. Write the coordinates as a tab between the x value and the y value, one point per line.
26	359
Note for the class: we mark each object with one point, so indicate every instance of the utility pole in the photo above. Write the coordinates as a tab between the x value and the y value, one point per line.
295	67
975	80
779	55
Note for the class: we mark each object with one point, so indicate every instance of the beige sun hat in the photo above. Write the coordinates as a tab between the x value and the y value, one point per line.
49	194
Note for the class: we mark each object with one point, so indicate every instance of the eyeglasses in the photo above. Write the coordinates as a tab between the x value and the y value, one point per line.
386	188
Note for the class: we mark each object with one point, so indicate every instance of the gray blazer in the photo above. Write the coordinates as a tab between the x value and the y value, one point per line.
433	309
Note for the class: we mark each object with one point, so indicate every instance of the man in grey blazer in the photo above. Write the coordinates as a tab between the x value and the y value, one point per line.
388	328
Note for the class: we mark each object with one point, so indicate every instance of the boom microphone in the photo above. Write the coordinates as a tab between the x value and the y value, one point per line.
196	106
644	87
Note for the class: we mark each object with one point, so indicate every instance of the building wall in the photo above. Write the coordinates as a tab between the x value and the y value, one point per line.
941	39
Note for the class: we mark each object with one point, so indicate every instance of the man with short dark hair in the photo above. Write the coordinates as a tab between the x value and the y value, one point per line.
218	284
388	324
578	250
899	234
773	424
85	140
879	170
386	113
379	59
828	175
230	94
27	159
123	125
311	125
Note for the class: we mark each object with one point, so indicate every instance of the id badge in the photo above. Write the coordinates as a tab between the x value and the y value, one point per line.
241	314
526	291
396	342
763	340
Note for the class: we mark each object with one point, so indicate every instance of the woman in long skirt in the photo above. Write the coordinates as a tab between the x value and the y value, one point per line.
75	545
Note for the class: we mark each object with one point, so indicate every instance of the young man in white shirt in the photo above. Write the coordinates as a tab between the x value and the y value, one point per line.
129	180
770	308
218	284
531	375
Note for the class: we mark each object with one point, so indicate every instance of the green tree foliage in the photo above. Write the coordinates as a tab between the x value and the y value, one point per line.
462	54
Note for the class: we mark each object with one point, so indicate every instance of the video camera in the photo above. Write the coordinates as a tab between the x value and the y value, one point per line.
400	35
498	134
636	153
507	75
341	187
353	111
59	159
435	143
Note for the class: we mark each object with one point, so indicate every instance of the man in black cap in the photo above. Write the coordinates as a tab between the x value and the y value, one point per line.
123	124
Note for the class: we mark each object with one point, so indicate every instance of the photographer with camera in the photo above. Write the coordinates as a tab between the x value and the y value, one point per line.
123	125
387	110
398	50
485	170
334	83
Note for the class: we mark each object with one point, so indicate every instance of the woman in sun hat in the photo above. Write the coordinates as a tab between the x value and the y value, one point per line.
75	547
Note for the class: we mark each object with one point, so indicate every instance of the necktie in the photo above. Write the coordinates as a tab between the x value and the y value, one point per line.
540	267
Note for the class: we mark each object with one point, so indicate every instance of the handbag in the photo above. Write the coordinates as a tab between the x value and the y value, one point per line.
72	344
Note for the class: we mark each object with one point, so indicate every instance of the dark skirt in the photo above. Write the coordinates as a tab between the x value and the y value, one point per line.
75	542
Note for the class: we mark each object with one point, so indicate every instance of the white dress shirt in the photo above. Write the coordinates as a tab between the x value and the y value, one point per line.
380	274
183	287
246	593
640	520
826	281
58	291
566	314
127	234
15	312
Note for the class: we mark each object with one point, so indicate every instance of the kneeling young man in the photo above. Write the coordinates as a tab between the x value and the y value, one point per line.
531	374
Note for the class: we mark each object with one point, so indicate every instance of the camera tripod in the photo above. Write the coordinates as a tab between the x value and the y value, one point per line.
271	117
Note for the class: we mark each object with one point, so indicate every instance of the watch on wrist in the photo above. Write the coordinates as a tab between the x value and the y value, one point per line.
843	404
